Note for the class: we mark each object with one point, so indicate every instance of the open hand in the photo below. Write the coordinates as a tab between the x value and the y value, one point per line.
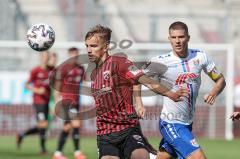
210	99
178	95
141	112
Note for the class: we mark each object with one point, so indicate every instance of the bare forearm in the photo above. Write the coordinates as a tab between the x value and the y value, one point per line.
57	96
32	88
218	87
137	95
154	85
162	90
29	87
139	104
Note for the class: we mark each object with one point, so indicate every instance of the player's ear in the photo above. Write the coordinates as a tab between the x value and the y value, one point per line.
106	47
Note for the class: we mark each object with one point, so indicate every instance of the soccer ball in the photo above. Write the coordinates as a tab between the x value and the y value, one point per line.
40	37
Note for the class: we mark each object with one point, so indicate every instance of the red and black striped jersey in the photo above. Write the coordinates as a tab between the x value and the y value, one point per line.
112	89
71	78
39	78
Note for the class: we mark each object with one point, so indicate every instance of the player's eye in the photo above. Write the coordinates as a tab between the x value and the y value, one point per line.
94	45
182	37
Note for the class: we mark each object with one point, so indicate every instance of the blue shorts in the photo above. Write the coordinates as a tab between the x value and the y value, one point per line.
177	140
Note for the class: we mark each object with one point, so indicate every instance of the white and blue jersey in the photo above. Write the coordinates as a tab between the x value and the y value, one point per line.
180	72
177	117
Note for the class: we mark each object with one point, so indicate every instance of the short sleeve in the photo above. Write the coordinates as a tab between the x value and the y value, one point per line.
128	70
208	64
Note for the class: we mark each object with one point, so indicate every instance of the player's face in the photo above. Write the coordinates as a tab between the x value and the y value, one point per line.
96	48
73	56
52	60
73	53
45	58
179	40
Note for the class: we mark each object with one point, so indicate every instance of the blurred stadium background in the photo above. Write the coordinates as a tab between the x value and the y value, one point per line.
213	26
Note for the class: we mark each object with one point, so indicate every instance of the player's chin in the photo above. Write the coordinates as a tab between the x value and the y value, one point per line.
92	59
180	53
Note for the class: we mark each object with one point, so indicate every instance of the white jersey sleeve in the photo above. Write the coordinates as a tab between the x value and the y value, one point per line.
208	64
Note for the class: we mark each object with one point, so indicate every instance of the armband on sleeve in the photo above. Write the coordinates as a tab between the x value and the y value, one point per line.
214	74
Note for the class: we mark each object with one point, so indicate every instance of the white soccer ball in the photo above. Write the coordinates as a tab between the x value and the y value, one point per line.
40	37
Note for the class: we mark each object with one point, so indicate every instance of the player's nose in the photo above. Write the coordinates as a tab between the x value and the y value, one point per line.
89	50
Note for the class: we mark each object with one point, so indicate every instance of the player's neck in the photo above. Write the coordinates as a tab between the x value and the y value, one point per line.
183	54
43	66
72	63
102	59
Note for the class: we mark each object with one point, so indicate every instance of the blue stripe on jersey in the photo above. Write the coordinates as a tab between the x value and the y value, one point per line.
191	91
183	66
191	88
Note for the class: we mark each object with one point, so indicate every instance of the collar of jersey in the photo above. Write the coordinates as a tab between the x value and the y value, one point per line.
99	66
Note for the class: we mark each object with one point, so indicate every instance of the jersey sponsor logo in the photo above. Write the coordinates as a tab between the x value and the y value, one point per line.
43	82
102	91
188	78
40	75
194	143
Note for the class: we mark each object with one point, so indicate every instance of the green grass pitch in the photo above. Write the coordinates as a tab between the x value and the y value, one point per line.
214	149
